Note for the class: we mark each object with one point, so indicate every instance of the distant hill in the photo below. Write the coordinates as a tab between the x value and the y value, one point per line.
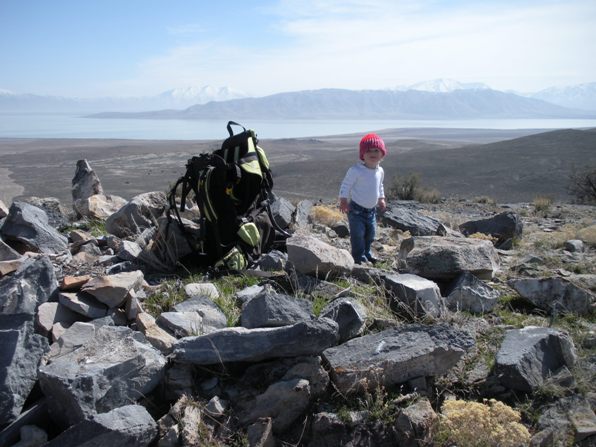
370	104
581	96
179	98
512	170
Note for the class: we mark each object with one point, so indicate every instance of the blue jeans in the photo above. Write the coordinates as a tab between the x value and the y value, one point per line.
362	231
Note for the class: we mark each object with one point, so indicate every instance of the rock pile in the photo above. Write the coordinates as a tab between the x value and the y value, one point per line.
96	349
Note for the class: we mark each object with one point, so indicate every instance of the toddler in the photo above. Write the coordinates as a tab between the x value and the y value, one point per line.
360	193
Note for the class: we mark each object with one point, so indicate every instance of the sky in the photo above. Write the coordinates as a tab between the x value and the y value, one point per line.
93	48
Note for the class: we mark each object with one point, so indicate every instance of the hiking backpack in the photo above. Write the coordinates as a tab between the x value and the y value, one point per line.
232	188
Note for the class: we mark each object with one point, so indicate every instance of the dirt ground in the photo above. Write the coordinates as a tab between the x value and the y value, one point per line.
302	167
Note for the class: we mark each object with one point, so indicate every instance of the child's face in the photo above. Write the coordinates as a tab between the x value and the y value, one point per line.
373	157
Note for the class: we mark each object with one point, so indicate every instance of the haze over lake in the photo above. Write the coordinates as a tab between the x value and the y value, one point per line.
45	125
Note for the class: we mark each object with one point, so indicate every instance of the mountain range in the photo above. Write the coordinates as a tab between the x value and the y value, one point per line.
435	99
179	98
370	104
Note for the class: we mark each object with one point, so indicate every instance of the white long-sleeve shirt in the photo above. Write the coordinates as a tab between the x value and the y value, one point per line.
363	185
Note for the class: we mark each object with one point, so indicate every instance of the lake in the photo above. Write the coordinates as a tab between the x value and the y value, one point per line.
45	125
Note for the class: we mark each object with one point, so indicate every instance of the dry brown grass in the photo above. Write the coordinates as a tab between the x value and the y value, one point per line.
557	239
483	236
326	215
542	204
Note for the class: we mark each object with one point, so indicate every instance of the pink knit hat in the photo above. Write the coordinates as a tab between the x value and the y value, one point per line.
371	141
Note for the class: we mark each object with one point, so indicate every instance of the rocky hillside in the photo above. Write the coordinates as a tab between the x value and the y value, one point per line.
475	312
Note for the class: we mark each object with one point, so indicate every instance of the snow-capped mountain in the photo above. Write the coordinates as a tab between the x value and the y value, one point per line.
446	86
202	95
581	96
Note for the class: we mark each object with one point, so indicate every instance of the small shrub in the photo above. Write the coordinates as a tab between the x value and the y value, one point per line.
326	215
486	200
472	424
582	185
588	235
318	304
227	286
409	188
169	294
404	188
542	205
96	227
428	196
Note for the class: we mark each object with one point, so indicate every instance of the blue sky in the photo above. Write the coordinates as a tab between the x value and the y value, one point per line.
91	48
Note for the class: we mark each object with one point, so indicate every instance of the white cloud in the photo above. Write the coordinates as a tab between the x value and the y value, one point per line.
378	44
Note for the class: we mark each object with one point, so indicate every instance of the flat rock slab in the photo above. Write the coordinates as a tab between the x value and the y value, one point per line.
274	310
130	426
396	356
417	224
112	290
445	258
250	345
312	256
556	295
118	367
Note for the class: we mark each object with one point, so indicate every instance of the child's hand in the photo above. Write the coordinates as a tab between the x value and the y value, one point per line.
382	205
343	205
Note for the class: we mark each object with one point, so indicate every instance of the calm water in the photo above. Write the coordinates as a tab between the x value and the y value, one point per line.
72	126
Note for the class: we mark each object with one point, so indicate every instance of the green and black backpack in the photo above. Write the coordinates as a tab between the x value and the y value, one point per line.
232	188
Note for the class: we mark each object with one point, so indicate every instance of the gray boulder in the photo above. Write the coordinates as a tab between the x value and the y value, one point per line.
568	418
29	227
127	426
530	355
99	206
470	294
58	216
3	210
349	315
275	260
282	211
274	310
7	253
283	402
118	367
137	215
21	351
312	256
574	246
250	345
406	219
212	317
85	182
445	258
413	295
32	284
49	314
302	213
555	295
182	324
395	356
506	226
